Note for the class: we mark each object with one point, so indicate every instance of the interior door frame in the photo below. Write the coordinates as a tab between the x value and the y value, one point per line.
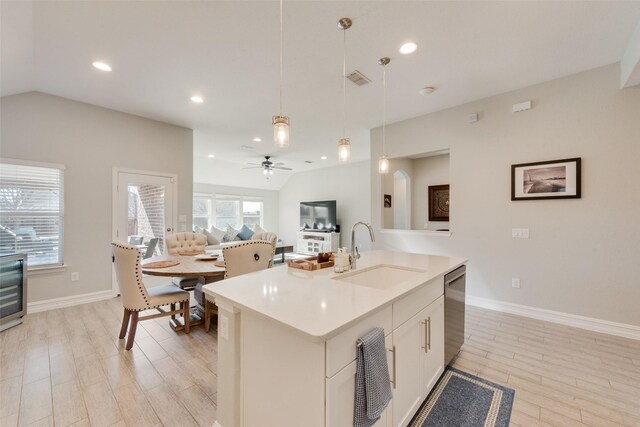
114	206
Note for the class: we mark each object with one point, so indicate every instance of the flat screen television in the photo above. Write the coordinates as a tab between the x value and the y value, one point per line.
318	216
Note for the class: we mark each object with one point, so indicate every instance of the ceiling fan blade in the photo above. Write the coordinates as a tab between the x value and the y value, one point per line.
254	164
278	164
253	167
282	168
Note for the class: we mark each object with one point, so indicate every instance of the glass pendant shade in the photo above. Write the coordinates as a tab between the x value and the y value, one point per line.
281	131
344	150
383	164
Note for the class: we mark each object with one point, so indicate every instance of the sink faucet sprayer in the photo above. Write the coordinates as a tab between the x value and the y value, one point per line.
354	251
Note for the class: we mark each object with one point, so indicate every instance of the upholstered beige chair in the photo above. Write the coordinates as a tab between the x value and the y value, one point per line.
243	258
185	244
136	297
270	237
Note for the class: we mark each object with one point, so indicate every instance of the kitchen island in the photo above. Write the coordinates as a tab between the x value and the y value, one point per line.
287	339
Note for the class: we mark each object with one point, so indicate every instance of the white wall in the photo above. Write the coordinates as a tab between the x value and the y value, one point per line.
582	256
349	185
90	141
270	197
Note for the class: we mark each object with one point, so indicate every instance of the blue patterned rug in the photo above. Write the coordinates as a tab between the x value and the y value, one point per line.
463	400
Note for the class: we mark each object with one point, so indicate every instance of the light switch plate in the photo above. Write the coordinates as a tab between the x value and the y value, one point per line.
515	282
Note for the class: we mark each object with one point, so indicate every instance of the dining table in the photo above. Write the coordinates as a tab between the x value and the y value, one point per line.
206	268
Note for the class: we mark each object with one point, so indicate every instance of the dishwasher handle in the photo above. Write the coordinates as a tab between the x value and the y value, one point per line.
448	279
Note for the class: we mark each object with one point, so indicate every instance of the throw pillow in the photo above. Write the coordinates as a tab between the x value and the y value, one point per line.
245	233
257	229
211	239
217	233
230	234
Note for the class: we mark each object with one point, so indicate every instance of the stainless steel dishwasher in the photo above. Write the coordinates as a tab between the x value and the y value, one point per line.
454	295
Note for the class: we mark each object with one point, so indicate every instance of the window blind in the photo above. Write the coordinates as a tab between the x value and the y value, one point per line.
32	212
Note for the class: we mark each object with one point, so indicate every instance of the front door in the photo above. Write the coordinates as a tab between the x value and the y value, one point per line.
145	204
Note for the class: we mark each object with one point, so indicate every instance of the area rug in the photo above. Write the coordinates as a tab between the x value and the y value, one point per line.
463	400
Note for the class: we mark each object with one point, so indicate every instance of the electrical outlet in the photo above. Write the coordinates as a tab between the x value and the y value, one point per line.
520	233
515	282
223	327
75	276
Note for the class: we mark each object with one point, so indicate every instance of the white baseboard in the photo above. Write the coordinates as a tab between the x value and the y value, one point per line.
588	323
50	304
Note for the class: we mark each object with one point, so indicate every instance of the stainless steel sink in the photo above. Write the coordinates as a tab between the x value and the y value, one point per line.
381	276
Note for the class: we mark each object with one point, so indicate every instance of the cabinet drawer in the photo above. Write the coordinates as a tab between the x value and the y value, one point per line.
341	349
408	306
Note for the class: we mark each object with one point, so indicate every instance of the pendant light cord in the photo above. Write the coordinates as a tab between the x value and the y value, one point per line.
384	105
344	82
281	19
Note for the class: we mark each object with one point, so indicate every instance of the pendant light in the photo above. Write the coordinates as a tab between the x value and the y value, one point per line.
344	146
383	162
281	123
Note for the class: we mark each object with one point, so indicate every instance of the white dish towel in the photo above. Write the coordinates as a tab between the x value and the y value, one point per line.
373	388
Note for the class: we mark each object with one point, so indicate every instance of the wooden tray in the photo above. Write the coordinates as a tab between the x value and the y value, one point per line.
308	264
161	264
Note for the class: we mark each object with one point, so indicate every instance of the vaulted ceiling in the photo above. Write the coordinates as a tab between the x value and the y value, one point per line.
163	52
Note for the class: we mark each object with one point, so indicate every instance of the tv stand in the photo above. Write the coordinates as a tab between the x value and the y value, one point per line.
313	242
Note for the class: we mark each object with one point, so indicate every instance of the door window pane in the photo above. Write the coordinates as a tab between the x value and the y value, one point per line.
146	213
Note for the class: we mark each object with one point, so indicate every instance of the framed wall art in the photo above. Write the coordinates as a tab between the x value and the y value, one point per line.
554	179
439	202
387	200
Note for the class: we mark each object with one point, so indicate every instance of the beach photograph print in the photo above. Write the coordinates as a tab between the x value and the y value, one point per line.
556	179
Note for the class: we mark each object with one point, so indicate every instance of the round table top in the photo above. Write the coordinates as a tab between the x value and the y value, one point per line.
188	267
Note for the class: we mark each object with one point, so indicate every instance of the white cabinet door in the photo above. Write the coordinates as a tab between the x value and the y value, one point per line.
432	322
408	393
341	392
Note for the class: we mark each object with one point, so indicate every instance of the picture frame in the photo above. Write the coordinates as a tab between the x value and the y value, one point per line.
439	202
552	179
387	200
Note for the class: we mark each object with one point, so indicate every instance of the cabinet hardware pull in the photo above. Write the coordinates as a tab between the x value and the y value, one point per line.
394	366
426	338
429	334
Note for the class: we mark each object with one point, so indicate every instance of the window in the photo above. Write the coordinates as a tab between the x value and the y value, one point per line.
222	210
32	211
201	211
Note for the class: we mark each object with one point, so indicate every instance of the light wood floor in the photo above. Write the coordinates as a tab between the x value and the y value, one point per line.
67	367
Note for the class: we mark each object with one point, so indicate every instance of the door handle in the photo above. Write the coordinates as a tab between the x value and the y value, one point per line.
169	229
429	333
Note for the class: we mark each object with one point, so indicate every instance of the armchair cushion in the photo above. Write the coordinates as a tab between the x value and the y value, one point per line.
211	239
245	233
230	234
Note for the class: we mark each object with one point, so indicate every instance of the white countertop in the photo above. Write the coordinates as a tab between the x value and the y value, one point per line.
313	303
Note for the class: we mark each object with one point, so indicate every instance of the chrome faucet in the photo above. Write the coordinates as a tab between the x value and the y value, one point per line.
354	251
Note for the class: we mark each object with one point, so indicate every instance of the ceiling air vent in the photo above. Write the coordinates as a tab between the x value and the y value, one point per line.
358	78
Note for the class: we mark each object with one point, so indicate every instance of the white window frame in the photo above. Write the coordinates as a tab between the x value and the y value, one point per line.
233	197
60	213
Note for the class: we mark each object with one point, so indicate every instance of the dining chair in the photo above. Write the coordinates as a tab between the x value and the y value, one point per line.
136	297
151	248
243	258
187	243
136	240
270	237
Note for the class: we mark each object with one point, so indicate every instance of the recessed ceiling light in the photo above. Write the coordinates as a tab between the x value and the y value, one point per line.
256	139
101	66
408	48
211	156
323	158
197	99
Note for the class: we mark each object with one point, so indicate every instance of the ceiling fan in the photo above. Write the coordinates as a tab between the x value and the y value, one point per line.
267	166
